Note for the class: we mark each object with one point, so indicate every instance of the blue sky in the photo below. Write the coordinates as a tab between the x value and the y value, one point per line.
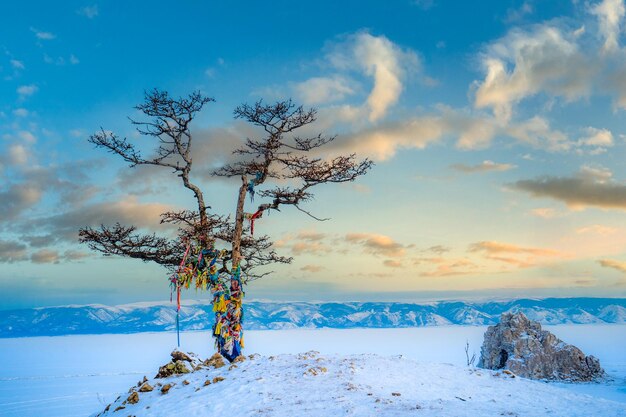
497	128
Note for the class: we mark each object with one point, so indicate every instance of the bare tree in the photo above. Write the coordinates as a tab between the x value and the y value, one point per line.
277	166
469	361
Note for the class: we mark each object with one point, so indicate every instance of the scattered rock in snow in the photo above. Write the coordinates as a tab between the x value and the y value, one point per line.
308	355
146	387
172	368
166	388
133	398
217	379
216	361
180	356
179	364
316	370
519	345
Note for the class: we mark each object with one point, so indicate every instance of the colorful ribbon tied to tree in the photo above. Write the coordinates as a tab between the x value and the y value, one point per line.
200	266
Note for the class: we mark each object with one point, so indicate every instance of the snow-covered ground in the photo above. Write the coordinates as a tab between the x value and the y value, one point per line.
78	375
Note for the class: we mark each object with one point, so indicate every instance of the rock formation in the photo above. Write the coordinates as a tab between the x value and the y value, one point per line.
519	345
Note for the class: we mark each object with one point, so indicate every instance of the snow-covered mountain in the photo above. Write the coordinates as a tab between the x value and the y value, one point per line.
133	318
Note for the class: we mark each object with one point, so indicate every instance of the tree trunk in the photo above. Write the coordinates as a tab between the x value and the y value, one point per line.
231	345
236	254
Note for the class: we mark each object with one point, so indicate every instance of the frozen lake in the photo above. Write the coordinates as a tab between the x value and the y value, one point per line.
77	375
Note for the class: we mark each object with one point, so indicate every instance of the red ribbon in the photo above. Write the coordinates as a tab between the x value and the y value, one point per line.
255	216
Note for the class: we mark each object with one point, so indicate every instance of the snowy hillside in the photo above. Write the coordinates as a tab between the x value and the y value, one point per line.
311	384
133	318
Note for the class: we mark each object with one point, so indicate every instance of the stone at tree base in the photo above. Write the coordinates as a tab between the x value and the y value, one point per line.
521	346
216	361
179	364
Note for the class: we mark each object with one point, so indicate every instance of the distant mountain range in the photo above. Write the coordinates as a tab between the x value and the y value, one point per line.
142	317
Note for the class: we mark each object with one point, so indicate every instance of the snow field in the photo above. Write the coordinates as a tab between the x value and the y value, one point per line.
78	375
314	385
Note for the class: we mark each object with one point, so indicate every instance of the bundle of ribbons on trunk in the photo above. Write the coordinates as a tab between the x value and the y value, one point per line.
199	266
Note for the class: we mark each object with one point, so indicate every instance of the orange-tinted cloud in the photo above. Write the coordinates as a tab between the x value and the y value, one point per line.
312	268
376	244
390	263
449	267
493	247
597	229
305	241
612	263
518	256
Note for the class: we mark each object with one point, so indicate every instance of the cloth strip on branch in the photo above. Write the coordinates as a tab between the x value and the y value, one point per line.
252	183
252	217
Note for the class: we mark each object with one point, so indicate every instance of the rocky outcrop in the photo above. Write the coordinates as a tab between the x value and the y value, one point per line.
521	346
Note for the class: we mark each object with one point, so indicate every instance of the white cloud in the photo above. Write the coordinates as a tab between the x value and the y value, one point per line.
516	14
424	4
43	35
381	59
597	174
18	154
21	112
597	137
77	133
17	64
27	136
538	133
88	11
470	130
545	59
61	61
319	90
610	15
385	62
383	142
27	90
